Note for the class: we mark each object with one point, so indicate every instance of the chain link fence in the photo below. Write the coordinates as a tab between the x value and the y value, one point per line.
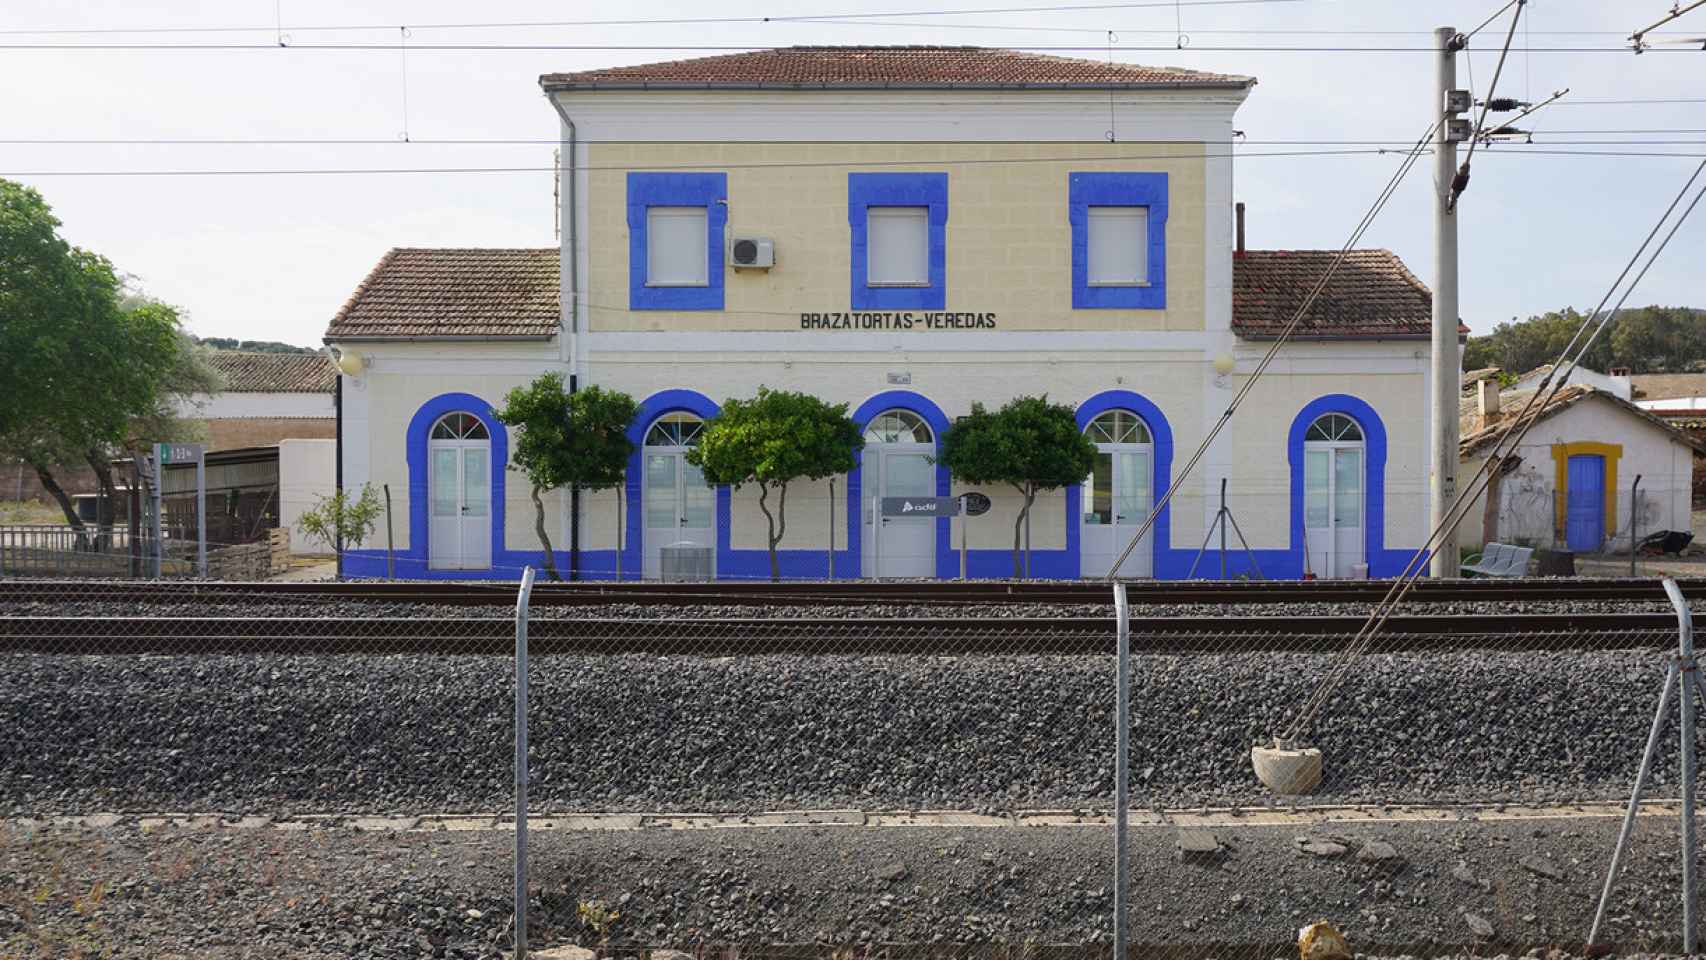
321	775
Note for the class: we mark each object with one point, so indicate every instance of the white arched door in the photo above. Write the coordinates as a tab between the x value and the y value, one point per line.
899	461
460	492
1333	497
1116	497
678	508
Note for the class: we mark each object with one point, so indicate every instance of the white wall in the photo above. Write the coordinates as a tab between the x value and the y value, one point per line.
307	470
379	403
1619	386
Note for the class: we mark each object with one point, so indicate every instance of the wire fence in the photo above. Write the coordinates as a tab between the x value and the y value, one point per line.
898	777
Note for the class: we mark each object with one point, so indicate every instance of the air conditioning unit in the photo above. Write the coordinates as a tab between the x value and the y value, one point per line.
752	253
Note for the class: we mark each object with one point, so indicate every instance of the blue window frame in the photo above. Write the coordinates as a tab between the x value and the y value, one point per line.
1148	190
708	190
928	190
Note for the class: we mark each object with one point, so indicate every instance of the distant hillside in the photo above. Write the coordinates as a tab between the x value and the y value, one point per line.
252	346
1645	340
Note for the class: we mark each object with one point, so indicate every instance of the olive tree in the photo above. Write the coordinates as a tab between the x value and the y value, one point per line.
1029	444
771	440
563	439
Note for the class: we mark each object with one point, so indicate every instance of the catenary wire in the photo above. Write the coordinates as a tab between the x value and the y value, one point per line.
1487	105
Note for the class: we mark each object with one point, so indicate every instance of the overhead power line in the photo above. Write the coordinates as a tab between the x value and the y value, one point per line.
1506	153
274	28
1646	133
755	47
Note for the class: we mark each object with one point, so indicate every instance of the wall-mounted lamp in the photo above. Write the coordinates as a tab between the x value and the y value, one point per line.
350	363
1224	364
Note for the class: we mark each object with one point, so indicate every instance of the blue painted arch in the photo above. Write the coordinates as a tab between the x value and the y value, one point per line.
633	533
1161	445
413	563
1381	562
947	561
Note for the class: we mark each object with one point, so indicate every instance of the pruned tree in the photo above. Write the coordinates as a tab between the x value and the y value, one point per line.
771	440
567	439
1029	444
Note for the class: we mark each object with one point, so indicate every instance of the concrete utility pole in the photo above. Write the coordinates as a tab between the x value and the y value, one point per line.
1447	367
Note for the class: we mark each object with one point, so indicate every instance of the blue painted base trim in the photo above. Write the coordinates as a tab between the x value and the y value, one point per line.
753	565
413	566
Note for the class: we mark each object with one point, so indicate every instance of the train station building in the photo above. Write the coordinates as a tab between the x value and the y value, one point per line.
907	230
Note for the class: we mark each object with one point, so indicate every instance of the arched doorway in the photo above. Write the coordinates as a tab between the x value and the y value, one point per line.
899	461
678	508
460	481
1334	500
1117	496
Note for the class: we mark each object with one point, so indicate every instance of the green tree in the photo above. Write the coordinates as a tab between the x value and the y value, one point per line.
340	518
1029	444
567	439
1644	339
775	438
86	368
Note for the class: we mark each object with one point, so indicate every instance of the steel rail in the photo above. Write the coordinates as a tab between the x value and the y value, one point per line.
312	636
817	592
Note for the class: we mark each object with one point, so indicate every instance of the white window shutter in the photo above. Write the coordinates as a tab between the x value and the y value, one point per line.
898	245
1119	245
676	247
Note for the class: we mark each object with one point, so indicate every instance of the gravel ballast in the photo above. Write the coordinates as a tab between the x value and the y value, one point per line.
417	734
1457	889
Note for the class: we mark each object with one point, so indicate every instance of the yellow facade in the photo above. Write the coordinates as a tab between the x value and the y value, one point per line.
1009	243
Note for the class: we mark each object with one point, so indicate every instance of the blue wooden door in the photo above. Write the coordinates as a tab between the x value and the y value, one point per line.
1584	507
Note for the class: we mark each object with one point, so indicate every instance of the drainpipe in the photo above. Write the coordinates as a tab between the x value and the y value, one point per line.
569	296
338	405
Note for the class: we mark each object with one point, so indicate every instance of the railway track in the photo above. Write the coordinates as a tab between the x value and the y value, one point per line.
730	637
843	593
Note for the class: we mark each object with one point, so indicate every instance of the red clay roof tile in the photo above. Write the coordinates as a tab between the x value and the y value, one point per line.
896	66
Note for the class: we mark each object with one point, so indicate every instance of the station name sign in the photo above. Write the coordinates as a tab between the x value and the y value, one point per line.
894	320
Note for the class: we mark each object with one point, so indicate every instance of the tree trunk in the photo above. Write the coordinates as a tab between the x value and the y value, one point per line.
778	523
44	473
109	495
1019	530
539	527
1495	485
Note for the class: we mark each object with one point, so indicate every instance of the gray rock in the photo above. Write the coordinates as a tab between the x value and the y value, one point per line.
1379	852
1463	874
892	872
1325	849
1197	845
1479	926
1542	867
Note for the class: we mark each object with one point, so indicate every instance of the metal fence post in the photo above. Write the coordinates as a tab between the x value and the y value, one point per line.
1122	784
1685	647
390	543
1634	523
831	512
521	601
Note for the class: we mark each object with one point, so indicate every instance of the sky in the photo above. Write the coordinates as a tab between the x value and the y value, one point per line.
272	256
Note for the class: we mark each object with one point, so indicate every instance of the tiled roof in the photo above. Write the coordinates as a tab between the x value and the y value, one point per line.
1668	386
1475	437
902	66
454	293
1372	295
273	372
